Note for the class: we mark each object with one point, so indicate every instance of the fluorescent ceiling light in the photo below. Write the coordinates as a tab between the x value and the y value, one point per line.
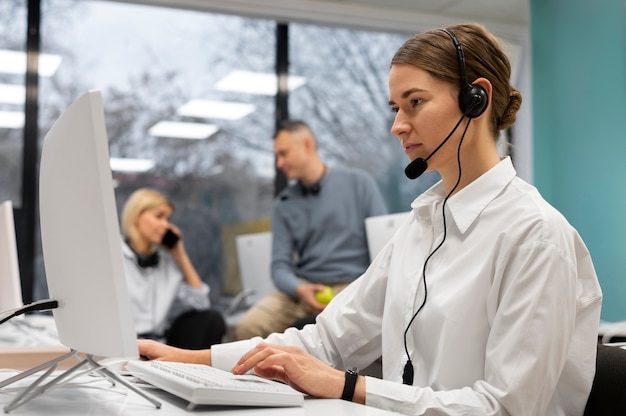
12	94
183	130
14	62
11	119
256	83
131	165
216	109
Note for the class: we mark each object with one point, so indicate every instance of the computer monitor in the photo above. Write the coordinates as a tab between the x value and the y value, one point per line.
80	234
10	286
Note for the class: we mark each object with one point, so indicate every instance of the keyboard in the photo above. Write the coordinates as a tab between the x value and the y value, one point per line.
201	384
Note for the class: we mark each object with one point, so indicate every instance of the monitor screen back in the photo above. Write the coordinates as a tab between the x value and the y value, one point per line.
80	234
10	285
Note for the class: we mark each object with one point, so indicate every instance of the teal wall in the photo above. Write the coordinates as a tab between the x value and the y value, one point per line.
579	128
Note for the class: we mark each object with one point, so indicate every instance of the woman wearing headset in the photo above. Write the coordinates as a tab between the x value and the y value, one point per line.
169	301
485	302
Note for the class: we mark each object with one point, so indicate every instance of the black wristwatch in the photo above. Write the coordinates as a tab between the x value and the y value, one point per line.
348	388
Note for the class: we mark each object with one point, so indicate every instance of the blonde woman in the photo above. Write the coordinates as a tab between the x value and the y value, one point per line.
169	301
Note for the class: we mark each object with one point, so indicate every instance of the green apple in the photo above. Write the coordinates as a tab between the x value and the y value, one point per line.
325	296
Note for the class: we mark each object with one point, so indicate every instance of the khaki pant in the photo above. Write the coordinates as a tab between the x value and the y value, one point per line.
274	313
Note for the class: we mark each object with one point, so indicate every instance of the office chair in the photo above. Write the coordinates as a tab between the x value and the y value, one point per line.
608	392
254	257
380	228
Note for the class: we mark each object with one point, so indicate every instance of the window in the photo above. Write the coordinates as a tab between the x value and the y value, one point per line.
345	100
166	71
13	22
163	69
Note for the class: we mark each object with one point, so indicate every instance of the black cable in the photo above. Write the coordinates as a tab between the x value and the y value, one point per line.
40	305
409	371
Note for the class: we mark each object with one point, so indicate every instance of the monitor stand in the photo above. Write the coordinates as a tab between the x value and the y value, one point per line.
35	389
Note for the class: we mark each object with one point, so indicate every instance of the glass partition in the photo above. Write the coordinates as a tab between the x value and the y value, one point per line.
180	116
345	100
13	22
189	101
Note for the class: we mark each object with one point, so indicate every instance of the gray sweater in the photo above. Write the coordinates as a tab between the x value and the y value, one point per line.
320	236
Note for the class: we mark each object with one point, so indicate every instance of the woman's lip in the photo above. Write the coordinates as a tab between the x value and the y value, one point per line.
409	148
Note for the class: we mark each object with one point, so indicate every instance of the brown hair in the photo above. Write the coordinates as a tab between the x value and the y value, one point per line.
293	126
434	52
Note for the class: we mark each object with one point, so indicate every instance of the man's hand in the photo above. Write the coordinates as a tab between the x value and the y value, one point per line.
306	293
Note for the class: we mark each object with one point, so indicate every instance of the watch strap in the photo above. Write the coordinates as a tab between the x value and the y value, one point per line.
348	388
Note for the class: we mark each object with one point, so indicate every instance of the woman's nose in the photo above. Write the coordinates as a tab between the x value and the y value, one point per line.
400	125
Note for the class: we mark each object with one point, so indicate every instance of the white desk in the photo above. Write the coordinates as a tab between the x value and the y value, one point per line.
28	343
89	395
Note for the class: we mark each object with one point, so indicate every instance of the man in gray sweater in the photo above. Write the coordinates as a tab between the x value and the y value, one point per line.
318	232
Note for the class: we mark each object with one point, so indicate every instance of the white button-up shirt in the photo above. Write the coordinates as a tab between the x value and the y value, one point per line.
509	326
158	294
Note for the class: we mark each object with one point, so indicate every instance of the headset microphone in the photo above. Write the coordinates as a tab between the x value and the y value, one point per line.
419	165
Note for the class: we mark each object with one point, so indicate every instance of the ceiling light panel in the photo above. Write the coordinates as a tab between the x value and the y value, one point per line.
216	109
14	62
183	130
256	83
131	165
11	119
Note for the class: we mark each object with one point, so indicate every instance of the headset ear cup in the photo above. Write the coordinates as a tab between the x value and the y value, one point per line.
473	101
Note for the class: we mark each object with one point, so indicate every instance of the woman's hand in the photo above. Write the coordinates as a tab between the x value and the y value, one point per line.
183	261
153	350
295	367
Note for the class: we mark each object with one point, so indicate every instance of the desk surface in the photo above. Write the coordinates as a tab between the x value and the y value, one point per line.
27	343
90	395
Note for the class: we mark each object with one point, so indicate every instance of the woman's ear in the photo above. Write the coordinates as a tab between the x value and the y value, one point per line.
476	100
486	84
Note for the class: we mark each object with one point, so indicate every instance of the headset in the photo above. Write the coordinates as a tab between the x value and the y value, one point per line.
473	98
315	188
144	260
310	189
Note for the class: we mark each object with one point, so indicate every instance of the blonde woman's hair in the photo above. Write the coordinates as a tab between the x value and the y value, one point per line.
138	202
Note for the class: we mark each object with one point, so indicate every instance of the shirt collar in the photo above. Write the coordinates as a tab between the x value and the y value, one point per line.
467	204
126	250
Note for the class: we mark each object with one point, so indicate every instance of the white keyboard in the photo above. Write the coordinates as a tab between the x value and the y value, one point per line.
202	384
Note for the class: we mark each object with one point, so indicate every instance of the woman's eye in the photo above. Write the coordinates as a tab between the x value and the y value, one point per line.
394	110
415	102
